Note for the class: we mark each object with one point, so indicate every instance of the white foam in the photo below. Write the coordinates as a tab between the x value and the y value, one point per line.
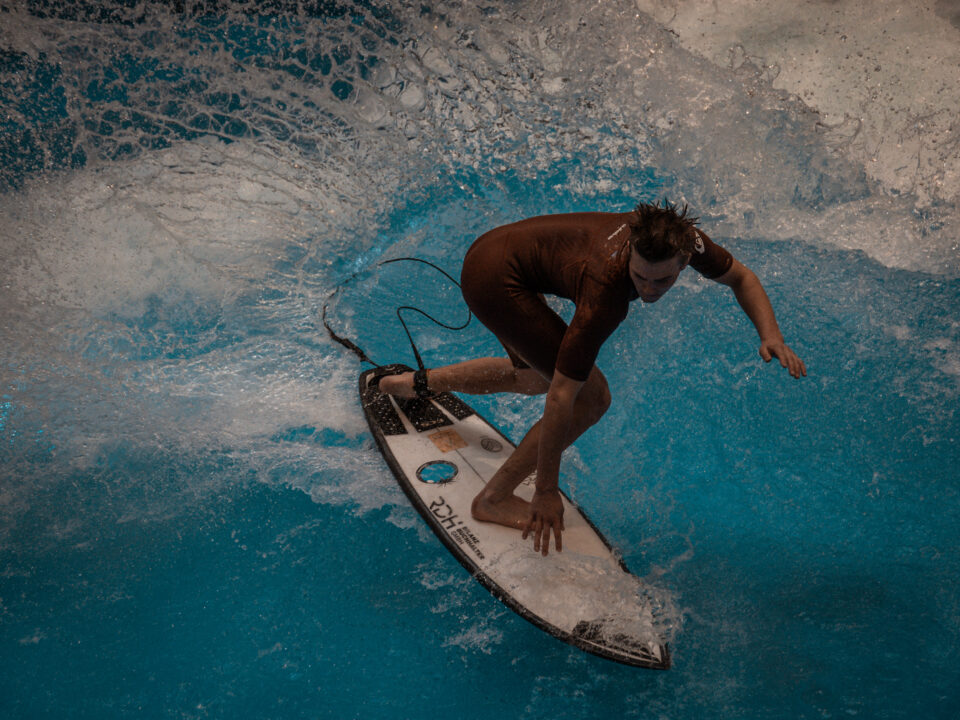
197	219
492	89
881	73
464	90
587	588
481	636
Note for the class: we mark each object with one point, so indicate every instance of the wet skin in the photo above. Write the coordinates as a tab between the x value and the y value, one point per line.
653	279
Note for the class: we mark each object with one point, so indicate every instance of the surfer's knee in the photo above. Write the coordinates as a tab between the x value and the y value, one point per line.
528	381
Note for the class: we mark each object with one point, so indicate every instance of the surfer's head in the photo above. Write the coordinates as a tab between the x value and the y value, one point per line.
660	232
662	239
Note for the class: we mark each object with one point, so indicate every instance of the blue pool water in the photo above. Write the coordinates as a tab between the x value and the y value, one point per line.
194	521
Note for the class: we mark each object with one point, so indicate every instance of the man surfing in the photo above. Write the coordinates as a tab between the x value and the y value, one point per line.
602	262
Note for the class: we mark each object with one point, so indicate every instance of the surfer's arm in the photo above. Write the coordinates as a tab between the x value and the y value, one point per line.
753	299
546	508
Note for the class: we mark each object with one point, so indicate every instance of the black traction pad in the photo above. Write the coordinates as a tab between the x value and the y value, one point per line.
421	412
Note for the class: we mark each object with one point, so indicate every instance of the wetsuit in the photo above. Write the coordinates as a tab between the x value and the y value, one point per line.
583	257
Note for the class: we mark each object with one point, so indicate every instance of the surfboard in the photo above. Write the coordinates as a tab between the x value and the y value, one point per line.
442	452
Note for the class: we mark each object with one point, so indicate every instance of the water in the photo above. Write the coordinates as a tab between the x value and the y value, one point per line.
194	521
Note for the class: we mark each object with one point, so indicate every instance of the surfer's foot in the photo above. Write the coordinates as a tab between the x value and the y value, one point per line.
513	512
398	385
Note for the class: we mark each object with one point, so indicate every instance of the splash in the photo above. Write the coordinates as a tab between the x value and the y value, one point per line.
878	74
406	98
185	189
587	588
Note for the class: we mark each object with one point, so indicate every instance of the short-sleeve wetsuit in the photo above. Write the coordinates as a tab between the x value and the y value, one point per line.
582	257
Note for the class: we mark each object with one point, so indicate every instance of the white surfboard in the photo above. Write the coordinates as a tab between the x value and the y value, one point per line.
442	453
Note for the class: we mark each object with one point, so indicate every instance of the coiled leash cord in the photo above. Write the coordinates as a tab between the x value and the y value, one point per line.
356	350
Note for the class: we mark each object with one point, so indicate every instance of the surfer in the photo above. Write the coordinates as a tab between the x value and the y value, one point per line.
601	261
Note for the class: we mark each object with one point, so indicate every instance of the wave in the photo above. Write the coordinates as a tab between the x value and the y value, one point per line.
378	105
185	187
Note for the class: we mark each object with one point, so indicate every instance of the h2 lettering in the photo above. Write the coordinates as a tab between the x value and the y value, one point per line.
444	513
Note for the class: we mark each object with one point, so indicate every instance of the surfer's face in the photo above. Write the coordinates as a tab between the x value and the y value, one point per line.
653	279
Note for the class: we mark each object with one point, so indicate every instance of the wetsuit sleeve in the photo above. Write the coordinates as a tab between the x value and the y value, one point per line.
708	258
590	327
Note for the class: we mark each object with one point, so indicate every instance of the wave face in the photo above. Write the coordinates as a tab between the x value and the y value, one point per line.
461	89
183	463
879	75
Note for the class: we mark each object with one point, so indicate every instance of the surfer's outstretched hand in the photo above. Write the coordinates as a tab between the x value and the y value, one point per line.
789	360
546	514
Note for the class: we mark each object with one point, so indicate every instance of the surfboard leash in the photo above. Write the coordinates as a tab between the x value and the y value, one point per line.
346	342
416	353
358	351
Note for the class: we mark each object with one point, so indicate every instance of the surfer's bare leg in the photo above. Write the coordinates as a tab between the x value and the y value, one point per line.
474	377
497	502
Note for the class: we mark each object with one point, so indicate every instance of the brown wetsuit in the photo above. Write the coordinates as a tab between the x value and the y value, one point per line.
580	256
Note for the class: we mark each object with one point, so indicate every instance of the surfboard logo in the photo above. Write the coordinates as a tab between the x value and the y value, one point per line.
444	514
491	445
464	536
456	529
437	472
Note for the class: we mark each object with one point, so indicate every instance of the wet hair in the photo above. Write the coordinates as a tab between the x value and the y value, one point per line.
660	232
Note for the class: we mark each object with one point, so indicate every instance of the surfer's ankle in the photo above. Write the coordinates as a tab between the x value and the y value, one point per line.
511	511
482	507
476	511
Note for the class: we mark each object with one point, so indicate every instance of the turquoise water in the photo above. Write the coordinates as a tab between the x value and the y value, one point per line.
194	521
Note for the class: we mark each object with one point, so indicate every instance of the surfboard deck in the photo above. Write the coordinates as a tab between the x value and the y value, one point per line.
442	452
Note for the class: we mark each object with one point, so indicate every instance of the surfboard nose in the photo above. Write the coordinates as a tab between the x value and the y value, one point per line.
604	635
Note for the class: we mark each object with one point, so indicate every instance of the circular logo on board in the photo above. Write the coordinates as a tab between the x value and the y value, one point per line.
491	445
437	472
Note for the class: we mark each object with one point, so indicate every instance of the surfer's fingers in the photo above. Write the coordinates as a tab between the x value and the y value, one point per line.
557	528
793	365
792	362
536	527
545	538
798	369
